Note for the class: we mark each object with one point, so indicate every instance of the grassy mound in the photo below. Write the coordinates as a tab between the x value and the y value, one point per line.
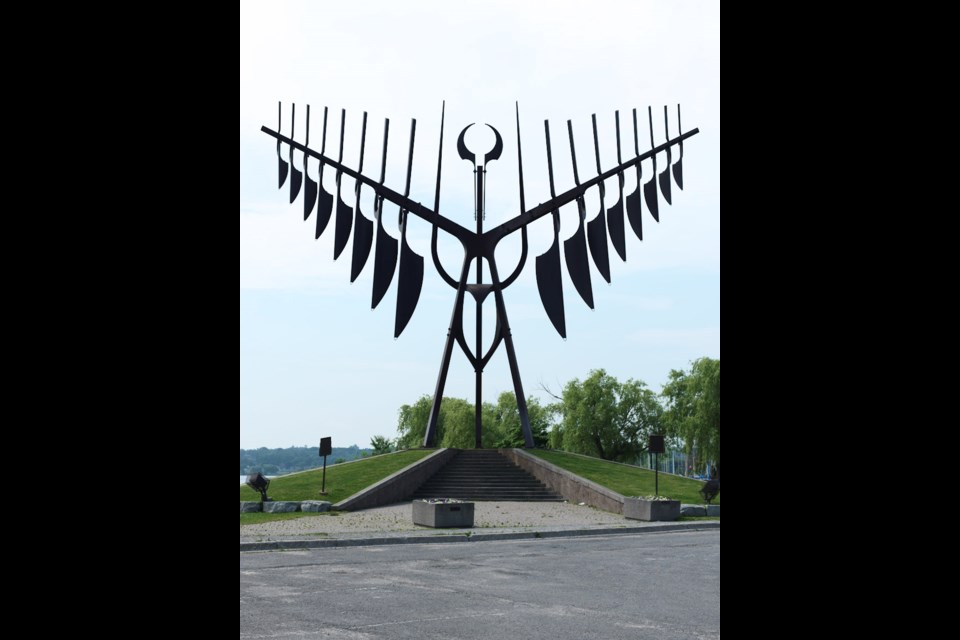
343	480
627	481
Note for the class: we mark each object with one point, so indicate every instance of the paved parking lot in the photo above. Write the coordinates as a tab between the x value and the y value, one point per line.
663	586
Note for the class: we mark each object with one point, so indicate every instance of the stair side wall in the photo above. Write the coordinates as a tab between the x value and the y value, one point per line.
401	486
572	487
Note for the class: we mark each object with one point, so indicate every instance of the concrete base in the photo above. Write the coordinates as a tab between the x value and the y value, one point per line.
443	516
651	511
251	507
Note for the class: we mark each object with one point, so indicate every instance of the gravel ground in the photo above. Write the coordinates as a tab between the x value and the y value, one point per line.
489	515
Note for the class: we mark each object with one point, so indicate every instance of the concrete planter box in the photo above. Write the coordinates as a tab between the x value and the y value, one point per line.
651	510
443	516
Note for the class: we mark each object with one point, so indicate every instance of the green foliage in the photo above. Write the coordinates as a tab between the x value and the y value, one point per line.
626	480
412	423
605	418
504	422
693	408
600	417
342	481
381	445
458	419
458	424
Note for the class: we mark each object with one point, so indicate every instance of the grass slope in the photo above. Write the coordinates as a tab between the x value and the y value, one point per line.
343	480
628	481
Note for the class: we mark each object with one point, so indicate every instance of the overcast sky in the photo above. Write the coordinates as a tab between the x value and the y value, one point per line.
314	359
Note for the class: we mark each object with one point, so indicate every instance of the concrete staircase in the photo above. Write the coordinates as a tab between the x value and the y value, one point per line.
486	476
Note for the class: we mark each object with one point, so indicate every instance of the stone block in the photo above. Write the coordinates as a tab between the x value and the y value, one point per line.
651	510
281	507
315	506
444	515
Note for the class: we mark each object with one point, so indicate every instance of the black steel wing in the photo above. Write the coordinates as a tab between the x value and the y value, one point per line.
393	258
592	238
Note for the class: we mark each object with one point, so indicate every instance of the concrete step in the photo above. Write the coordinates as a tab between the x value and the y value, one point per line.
485	475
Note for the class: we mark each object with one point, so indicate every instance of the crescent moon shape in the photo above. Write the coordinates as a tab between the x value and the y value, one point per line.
497	148
462	146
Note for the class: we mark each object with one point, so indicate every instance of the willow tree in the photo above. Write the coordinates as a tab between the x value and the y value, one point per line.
693	409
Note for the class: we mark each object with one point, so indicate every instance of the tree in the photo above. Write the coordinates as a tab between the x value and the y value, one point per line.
381	445
693	408
605	418
459	420
412	423
502	427
457	426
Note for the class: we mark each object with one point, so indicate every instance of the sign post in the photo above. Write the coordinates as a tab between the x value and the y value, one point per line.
657	446
326	449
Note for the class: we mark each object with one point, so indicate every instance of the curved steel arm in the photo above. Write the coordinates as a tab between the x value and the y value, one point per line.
497	234
464	235
435	250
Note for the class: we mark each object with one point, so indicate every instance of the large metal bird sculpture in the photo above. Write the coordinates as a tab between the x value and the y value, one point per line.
395	260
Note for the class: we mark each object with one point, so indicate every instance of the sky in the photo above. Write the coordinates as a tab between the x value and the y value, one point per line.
315	361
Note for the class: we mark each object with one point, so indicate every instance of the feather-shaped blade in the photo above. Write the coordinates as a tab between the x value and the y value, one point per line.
409	286
344	227
296	184
284	170
550	283
650	189
384	264
324	199
635	211
362	243
666	181
296	177
309	196
597	235
599	247
578	264
618	233
310	192
344	213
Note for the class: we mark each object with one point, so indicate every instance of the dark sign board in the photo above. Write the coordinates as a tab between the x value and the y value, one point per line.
326	447
657	444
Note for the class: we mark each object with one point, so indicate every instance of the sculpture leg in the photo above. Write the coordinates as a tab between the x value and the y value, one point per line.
479	369
430	440
512	357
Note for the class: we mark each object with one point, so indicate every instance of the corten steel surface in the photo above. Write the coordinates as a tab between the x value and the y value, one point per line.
395	259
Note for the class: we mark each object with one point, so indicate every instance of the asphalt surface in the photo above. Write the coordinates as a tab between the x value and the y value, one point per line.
663	586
